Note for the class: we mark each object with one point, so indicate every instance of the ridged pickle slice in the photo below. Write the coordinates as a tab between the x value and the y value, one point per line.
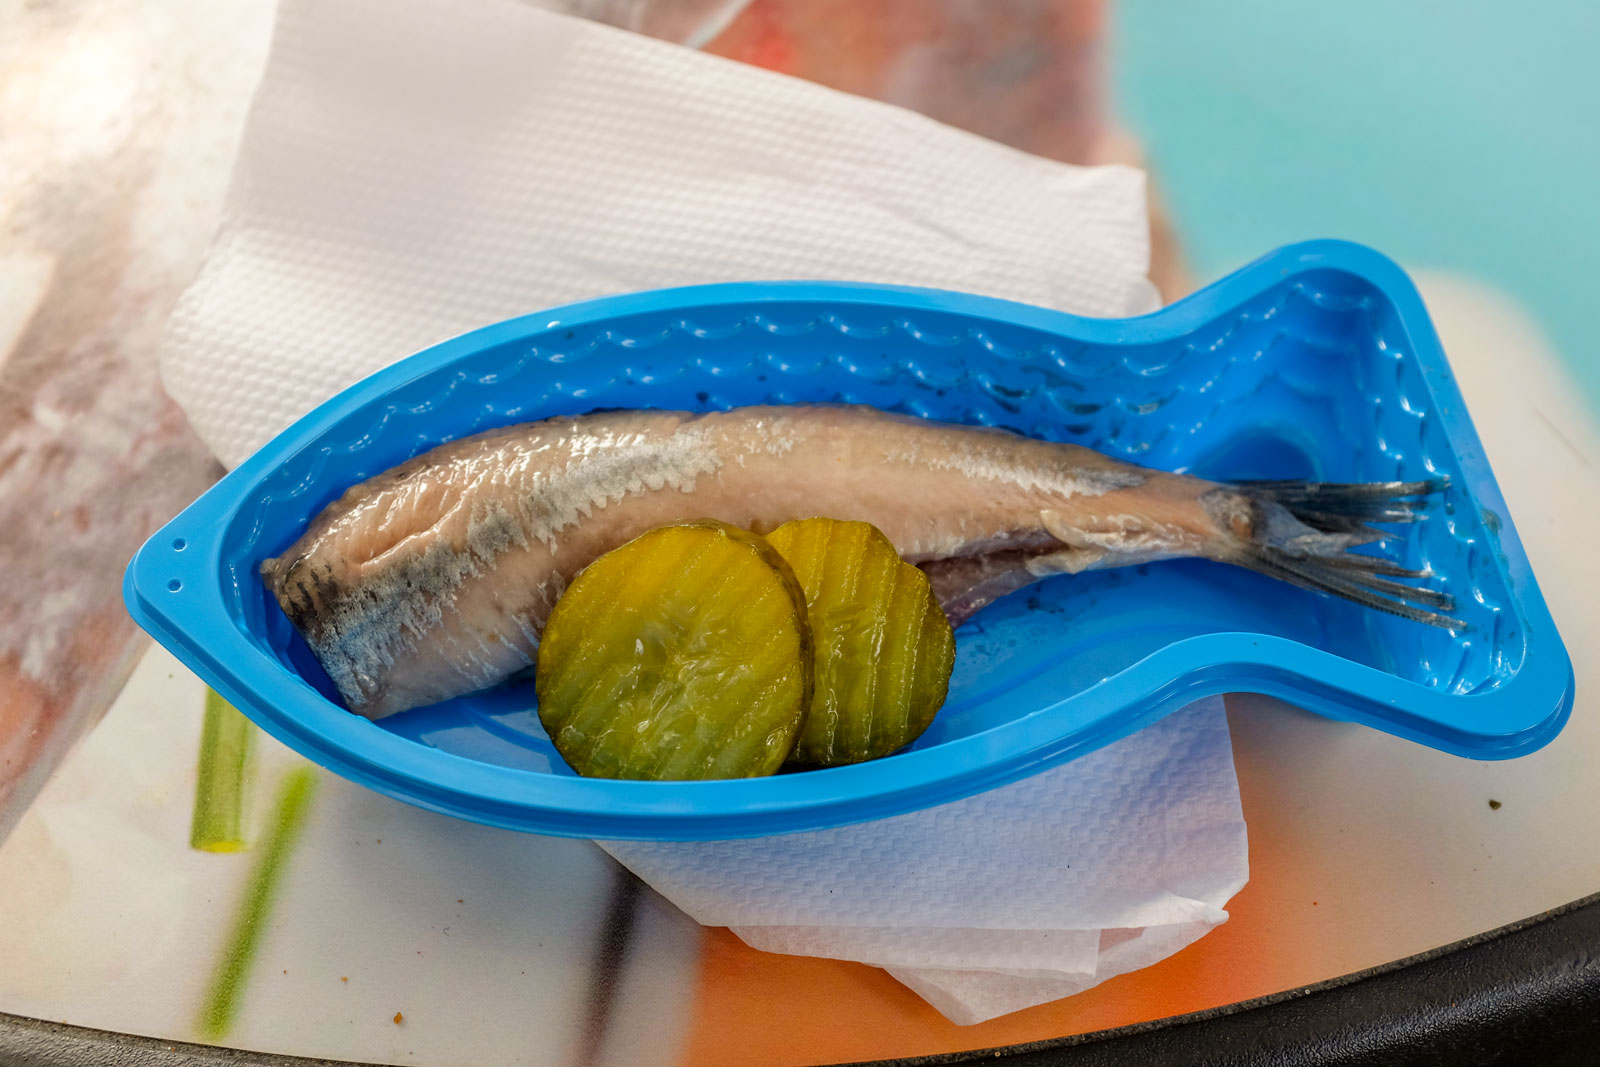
884	649
683	654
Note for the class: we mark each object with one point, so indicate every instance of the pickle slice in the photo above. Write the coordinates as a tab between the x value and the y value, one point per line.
884	649
682	654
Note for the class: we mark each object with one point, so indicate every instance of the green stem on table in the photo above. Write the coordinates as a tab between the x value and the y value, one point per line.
227	741
255	907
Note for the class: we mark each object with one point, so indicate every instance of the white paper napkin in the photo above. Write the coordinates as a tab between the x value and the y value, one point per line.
1011	898
413	169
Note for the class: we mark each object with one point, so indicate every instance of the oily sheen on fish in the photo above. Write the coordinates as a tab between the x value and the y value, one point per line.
435	578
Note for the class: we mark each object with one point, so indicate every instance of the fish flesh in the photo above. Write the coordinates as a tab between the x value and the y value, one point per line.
436	577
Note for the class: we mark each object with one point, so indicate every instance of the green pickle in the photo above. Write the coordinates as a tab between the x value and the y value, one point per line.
683	654
884	649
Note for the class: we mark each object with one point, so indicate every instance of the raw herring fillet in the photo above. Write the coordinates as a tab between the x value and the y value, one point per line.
435	578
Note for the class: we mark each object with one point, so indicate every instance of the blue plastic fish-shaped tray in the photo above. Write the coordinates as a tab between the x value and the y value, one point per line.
1316	362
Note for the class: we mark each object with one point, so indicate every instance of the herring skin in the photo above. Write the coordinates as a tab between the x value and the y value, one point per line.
435	578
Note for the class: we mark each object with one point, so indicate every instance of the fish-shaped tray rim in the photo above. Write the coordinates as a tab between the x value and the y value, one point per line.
194	620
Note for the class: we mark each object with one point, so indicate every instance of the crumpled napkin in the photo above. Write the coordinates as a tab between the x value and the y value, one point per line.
413	169
1021	895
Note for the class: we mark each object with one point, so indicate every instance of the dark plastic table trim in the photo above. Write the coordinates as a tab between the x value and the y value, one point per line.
1528	993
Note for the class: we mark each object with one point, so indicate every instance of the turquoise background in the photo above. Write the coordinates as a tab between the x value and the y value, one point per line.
1460	136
